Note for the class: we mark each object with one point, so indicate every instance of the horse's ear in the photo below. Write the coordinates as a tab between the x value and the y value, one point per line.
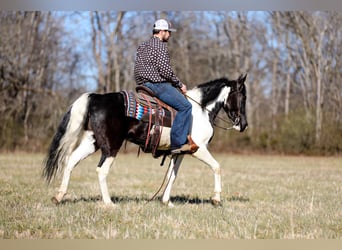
241	81
242	78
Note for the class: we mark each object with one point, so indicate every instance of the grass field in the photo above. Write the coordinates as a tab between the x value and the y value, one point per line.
264	197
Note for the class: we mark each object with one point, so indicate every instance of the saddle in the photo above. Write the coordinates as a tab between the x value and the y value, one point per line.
153	115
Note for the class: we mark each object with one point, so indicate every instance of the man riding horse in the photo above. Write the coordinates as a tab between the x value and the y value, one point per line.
100	121
153	70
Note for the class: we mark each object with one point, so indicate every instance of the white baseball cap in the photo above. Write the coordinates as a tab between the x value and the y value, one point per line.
162	24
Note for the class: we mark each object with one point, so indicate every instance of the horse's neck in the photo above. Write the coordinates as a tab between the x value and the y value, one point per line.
194	96
213	107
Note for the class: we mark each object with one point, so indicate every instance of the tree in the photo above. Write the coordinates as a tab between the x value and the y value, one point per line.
31	66
293	62
106	37
312	33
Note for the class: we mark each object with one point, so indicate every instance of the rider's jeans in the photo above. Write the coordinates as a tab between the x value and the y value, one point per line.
174	98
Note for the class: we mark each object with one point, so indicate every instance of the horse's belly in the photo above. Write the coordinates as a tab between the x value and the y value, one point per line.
165	142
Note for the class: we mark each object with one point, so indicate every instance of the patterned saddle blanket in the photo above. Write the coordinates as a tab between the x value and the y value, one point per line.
144	107
154	116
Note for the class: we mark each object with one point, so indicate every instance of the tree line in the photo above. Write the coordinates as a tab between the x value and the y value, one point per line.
293	62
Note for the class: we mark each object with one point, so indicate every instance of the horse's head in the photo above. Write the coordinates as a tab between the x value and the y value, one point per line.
235	105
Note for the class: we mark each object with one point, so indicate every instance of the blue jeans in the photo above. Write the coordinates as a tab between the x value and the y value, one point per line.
175	99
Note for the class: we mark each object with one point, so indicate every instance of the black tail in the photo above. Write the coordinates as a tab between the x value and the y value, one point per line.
64	141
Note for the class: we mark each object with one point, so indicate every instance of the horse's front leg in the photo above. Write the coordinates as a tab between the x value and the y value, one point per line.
103	171
171	177
204	155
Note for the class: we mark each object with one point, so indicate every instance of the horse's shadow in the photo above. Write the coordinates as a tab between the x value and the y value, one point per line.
179	199
98	198
183	199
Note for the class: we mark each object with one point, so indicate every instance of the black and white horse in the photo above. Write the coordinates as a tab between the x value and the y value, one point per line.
98	121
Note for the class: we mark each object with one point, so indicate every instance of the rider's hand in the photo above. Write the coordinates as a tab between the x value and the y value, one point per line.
183	88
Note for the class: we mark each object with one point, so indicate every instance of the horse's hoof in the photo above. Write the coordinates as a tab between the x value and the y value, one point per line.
55	201
168	204
216	203
107	206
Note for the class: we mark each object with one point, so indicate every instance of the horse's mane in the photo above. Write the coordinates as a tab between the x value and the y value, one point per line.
210	90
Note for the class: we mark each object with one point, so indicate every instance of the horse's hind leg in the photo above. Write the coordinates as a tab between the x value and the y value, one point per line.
85	148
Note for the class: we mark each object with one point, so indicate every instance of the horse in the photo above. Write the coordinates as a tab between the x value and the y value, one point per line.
99	122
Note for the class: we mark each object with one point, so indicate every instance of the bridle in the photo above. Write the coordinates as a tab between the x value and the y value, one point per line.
237	119
235	123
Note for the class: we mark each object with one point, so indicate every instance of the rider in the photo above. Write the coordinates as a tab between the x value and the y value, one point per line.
153	70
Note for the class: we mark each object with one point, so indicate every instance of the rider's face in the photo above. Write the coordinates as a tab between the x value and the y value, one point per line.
166	35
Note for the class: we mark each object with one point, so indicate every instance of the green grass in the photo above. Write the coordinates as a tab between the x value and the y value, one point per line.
264	197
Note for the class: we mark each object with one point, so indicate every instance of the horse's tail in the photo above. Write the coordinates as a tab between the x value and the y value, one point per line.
68	133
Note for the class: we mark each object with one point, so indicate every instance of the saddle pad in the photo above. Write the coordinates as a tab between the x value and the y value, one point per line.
138	104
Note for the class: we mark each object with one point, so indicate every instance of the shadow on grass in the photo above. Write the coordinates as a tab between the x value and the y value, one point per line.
179	199
98	198
189	200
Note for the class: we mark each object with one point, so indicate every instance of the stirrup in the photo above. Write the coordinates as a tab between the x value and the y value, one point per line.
189	148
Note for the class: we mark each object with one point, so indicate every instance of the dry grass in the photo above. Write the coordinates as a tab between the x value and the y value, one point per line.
272	197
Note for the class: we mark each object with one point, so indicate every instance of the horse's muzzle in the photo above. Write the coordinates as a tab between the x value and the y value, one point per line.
243	123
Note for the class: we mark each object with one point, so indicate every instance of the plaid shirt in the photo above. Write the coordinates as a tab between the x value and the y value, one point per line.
152	63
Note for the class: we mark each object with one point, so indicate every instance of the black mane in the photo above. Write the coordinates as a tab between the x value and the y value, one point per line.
212	89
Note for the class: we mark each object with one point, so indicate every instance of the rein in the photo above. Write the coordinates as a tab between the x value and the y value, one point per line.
168	181
236	122
218	117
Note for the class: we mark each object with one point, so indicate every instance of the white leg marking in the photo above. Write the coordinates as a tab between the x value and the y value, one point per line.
102	174
85	148
204	155
171	177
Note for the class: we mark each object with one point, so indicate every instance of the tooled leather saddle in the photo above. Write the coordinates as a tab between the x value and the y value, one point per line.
153	115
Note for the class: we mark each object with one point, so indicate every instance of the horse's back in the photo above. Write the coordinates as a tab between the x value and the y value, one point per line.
106	112
106	118
108	103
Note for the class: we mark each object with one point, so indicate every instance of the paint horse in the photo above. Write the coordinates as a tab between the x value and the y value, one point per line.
100	122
